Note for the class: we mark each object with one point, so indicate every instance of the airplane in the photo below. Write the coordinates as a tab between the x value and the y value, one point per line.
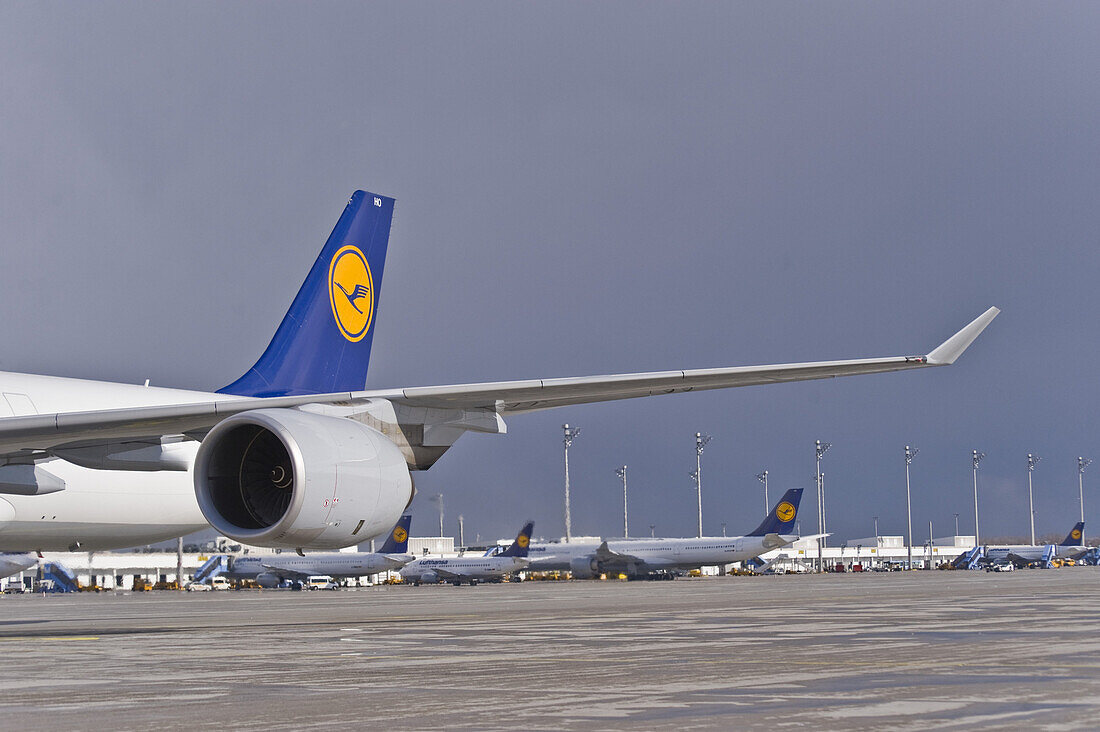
471	569
1021	555
272	570
657	557
295	453
12	562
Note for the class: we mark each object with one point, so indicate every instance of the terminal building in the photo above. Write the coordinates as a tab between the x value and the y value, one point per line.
871	553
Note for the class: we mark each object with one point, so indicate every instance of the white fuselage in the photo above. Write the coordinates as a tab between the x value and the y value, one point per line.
336	564
654	554
98	509
472	568
1029	553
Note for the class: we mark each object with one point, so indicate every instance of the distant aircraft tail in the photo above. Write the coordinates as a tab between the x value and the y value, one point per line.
781	519
398	540
1076	537
523	540
323	344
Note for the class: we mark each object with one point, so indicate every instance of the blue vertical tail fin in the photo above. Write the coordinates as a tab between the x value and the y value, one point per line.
523	540
1076	536
781	519
398	540
323	344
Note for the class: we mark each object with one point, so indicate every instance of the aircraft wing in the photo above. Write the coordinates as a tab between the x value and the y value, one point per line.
604	554
29	437
284	572
528	396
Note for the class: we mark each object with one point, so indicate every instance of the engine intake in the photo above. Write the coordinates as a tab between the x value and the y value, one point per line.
584	567
289	478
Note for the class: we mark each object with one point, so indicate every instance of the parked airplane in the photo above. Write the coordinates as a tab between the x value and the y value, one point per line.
295	453
271	570
643	557
12	562
472	569
1024	554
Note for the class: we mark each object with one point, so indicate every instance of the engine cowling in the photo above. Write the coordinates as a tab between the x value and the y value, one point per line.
268	580
288	478
584	567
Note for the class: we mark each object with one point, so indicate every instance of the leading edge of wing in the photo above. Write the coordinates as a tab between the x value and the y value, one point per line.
536	394
46	430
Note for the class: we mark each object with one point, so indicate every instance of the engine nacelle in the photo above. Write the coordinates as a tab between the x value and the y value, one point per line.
268	580
584	567
293	479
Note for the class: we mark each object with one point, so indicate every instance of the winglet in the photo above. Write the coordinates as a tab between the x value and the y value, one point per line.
953	347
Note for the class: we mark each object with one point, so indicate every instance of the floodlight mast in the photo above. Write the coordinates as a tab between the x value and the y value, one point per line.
438	500
1032	460
1082	463
763	478
976	458
820	449
621	472
701	442
570	435
910	453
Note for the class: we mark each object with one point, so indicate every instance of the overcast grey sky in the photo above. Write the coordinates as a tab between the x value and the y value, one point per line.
592	188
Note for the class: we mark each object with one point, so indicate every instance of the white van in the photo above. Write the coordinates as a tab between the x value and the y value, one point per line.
220	583
320	582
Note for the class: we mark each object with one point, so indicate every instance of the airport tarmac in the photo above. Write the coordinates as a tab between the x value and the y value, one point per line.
912	650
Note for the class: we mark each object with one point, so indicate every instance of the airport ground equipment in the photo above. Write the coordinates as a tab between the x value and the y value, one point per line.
213	566
58	578
1049	553
970	560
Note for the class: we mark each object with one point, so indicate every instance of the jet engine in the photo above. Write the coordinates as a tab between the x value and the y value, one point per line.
584	567
295	479
268	580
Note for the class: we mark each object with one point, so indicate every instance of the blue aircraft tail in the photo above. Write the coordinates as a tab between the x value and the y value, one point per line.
323	344
1076	537
781	519
523	540
398	540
